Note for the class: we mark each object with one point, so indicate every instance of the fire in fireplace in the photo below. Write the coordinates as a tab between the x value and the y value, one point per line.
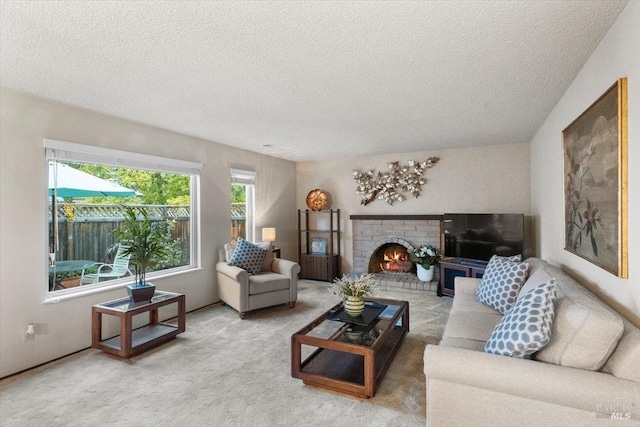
390	258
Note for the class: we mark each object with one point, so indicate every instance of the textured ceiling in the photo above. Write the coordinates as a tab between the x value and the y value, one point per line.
309	80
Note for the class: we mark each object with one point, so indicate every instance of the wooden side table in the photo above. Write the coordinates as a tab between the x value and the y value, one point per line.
132	342
276	252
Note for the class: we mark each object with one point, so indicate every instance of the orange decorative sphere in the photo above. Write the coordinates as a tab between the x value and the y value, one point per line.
317	200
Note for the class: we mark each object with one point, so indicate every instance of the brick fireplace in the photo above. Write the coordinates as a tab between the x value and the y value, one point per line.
372	234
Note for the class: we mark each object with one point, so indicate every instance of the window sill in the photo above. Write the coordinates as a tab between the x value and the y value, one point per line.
83	291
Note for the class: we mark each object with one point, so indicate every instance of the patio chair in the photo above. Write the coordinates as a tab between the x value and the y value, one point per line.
119	268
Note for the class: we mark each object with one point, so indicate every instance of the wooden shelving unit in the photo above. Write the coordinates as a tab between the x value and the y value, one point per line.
319	224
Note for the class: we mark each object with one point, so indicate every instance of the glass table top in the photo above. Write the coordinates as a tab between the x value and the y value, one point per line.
125	304
339	330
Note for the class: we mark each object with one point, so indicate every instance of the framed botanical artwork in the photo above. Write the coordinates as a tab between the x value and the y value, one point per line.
595	182
319	246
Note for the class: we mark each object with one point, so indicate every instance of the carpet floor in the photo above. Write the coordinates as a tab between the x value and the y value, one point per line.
224	371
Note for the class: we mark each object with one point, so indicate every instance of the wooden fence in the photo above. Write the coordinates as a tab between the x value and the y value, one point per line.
86	231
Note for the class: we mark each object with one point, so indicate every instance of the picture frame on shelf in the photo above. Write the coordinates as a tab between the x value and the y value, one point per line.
319	246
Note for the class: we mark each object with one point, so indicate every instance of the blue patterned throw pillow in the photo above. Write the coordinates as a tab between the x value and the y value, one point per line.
501	282
248	256
526	328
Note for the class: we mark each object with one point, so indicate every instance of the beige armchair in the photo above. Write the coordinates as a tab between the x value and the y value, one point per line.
276	284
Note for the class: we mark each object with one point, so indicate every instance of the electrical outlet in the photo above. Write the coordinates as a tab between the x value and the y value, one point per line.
29	333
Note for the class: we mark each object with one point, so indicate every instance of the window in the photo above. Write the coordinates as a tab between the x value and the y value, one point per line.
87	190
242	205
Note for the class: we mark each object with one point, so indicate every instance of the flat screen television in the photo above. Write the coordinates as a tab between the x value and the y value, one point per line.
480	236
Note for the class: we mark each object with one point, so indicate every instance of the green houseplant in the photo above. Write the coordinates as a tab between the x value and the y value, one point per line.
145	243
425	256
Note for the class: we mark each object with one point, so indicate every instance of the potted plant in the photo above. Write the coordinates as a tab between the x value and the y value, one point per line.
425	257
352	291
145	243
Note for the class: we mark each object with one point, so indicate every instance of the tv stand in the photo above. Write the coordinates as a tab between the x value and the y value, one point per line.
450	268
473	262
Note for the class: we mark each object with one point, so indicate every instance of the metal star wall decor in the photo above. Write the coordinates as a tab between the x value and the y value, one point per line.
390	186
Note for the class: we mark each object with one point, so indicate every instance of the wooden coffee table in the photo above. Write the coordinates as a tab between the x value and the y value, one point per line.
348	357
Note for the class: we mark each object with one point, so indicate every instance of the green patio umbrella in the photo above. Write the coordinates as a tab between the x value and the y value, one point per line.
66	181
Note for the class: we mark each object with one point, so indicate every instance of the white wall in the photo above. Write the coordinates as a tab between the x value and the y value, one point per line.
66	327
618	55
474	180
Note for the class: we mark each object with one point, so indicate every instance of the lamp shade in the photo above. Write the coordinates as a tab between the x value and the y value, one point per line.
268	234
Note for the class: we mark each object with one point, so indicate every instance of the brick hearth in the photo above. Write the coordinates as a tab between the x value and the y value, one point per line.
372	231
404	282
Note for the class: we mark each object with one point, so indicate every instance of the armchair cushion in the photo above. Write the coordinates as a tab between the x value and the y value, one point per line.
268	256
248	256
267	282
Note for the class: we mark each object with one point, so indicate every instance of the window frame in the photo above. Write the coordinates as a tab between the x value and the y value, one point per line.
248	179
56	150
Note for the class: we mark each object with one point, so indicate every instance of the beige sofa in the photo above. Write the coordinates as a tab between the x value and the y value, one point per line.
588	374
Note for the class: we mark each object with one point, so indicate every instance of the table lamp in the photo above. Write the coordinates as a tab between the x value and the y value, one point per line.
269	235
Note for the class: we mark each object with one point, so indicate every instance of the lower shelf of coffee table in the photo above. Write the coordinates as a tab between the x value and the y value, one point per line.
346	372
337	365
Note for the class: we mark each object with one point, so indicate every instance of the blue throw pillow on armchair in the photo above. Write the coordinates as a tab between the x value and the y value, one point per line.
248	256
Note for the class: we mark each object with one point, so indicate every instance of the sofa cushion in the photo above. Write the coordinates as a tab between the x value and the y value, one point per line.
501	282
267	282
248	256
585	330
534	280
466	285
526	328
463	302
465	343
471	325
625	360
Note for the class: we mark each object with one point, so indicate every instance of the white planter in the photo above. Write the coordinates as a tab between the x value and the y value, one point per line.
424	274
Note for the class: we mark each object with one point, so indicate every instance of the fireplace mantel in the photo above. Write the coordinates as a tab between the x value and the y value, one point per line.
397	217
